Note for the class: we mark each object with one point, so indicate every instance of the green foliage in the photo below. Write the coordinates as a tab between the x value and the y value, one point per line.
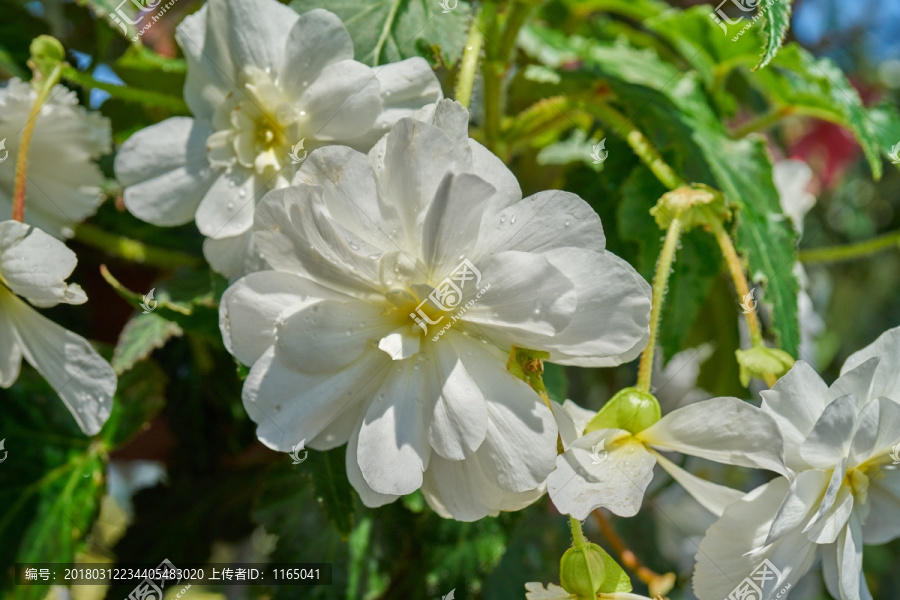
140	337
777	23
386	31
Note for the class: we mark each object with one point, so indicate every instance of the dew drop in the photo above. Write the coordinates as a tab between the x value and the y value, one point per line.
349	332
242	193
512	220
503	219
566	223
230	205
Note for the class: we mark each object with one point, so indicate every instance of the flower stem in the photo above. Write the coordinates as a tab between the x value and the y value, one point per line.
492	69
657	583
638	142
578	539
130	94
469	63
851	251
760	122
736	269
18	213
133	250
660	281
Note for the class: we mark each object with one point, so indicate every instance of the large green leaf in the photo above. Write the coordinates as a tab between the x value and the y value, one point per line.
669	105
385	31
141	335
332	488
139	396
797	82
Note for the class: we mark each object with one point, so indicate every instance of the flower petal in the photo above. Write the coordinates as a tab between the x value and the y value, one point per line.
234	257
211	75
460	418
828	500
881	524
258	31
165	171
328	335
878	431
611	324
886	381
829	440
850	563
571	420
11	357
796	402
713	497
582	483
393	443
35	265
342	102
84	381
227	208
800	503
370	497
289	406
725	430
452	221
317	39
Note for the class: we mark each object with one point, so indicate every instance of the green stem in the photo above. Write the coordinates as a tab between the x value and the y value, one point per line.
741	285
578	539
660	282
638	142
514	21
18	212
469	64
492	73
133	250
130	94
760	122
851	251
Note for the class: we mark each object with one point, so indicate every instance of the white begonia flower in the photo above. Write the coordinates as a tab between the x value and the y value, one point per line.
63	183
611	468
843	491
349	339
261	79
35	266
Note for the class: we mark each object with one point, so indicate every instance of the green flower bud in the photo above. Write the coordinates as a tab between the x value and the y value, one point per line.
630	409
696	205
581	570
759	360
46	53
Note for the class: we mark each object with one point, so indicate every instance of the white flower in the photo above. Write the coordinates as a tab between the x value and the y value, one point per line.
63	183
843	491
339	336
724	430
792	180
260	79
35	266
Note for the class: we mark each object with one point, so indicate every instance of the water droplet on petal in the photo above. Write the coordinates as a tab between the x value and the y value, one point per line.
512	220
349	332
566	223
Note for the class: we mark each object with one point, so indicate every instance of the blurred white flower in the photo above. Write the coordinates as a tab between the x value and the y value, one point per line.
724	430
35	266
260	79
63	183
843	491
348	339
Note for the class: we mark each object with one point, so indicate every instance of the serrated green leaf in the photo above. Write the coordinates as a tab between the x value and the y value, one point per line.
332	488
139	396
778	21
143	334
886	119
797	82
385	31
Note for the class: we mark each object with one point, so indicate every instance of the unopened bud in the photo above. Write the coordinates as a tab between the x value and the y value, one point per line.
630	409
759	360
581	570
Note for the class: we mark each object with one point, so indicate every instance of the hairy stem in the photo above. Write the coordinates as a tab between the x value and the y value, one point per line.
736	270
660	281
851	251
18	212
469	63
492	69
578	539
